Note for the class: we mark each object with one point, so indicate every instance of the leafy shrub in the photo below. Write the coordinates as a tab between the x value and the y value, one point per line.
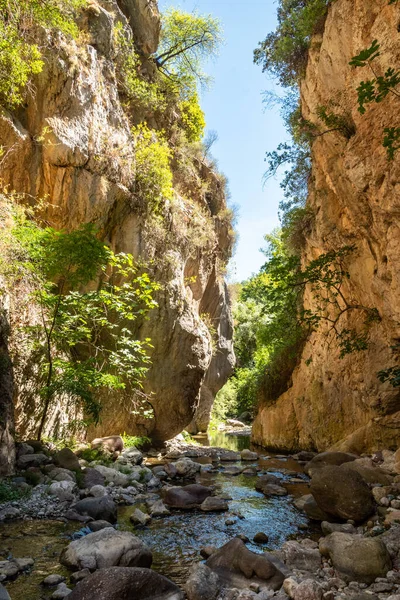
153	170
20	55
10	492
193	122
135	441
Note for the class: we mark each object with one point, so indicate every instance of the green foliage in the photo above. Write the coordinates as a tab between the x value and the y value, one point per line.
10	492
94	455
192	118
20	55
284	52
186	41
336	122
88	336
135	441
153	171
392	374
375	90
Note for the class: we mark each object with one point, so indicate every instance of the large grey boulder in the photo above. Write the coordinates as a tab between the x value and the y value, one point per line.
355	557
236	565
131	456
66	459
112	475
103	508
342	493
325	459
186	497
63	490
121	583
106	548
187	468
202	584
32	460
111	444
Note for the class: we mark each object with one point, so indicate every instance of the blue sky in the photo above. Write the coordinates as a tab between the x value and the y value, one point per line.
233	107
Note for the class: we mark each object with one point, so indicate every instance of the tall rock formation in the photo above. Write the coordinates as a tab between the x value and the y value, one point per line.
355	200
69	146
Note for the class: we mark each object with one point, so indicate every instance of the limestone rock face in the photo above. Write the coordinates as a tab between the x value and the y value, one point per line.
69	145
354	199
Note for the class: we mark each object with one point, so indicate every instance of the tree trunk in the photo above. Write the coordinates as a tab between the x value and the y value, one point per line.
7	447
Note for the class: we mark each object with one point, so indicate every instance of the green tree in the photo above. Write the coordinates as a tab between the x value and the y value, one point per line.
186	41
89	300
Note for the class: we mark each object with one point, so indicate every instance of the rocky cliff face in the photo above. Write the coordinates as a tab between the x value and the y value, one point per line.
69	146
354	199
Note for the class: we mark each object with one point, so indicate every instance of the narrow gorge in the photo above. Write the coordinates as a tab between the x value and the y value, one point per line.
182	417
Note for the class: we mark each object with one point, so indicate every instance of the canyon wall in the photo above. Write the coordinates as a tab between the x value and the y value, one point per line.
355	200
71	148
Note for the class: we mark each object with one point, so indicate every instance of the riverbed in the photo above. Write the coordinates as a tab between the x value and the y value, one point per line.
176	540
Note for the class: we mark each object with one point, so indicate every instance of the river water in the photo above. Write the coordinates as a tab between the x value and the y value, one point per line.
177	539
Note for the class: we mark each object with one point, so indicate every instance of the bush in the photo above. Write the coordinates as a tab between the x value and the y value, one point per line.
20	55
153	170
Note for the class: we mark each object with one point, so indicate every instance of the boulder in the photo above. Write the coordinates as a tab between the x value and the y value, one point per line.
23	448
214	504
186	497
112	444
170	470
300	557
261	538
66	459
187	468
118	583
97	491
32	460
326	459
355	557
131	456
112	475
270	485
53	580
368	471
235	564
248	455
158	509
61	592
97	525
328	528
106	548
202	583
308	589
228	455
91	477
138	517
233	470
60	474
63	490
313	511
103	508
342	493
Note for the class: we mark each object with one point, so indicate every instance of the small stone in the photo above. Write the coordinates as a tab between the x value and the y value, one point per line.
260	538
214	504
97	491
230	521
254	587
61	592
384	501
53	580
139	518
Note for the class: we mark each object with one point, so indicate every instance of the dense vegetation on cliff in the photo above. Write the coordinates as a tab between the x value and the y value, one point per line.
87	333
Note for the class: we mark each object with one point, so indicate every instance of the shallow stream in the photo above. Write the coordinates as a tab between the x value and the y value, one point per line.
175	540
